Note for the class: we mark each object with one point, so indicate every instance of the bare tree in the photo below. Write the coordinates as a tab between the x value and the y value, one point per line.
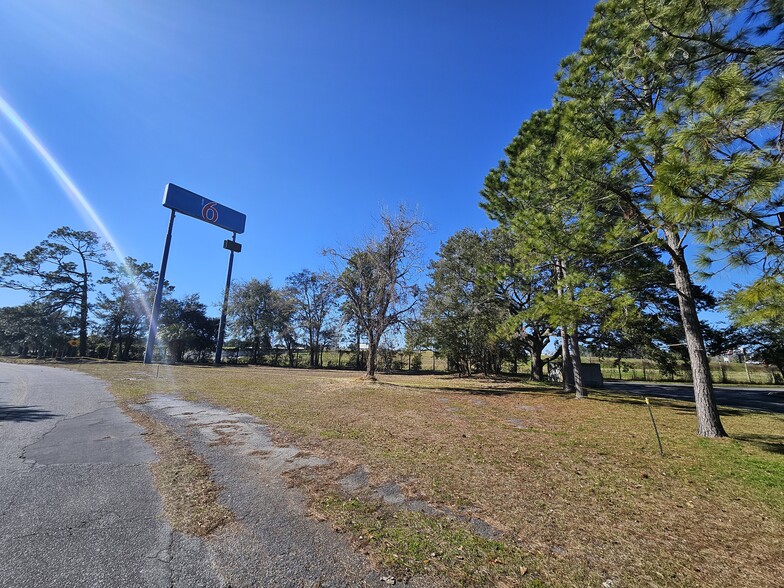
378	277
314	299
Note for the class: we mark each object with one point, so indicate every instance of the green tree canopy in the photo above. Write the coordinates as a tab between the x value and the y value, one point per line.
461	312
258	312
57	273
667	95
35	328
125	309
185	327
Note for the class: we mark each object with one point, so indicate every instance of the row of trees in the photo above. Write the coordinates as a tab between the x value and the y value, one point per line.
665	133
372	291
368	293
487	305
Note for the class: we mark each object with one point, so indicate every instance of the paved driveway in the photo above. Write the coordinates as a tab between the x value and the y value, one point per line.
765	399
77	502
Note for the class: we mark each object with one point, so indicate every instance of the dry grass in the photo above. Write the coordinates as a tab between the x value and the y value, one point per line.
184	481
578	485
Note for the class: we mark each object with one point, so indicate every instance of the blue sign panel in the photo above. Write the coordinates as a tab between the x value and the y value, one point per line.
187	202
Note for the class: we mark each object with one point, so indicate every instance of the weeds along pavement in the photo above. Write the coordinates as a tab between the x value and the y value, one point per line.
486	482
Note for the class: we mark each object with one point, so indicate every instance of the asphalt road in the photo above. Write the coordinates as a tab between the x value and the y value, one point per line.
77	502
753	398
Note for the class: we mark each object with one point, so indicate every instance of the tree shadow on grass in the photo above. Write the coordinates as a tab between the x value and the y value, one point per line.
24	414
527	390
476	391
771	443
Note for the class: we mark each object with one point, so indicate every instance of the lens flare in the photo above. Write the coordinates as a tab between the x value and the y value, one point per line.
74	194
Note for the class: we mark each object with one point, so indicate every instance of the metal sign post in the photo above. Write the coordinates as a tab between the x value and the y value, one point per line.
233	247
191	204
156	306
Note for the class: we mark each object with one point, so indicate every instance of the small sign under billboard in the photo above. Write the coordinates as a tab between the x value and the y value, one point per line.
186	202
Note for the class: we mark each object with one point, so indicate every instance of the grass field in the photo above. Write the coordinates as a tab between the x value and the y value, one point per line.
578	488
627	369
723	373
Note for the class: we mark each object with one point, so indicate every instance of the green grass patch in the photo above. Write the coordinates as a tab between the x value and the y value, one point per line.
742	465
409	543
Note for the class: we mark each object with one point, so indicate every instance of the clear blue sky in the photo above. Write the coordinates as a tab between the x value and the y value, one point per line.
307	116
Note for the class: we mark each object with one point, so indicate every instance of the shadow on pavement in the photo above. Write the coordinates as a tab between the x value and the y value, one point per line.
729	400
676	404
24	414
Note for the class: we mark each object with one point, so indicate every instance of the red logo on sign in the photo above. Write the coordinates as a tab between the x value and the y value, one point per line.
209	212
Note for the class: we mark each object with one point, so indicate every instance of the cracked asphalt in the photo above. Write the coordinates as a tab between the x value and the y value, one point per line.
77	501
78	506
274	543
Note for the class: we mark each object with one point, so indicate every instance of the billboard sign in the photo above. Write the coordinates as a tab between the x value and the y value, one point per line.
186	202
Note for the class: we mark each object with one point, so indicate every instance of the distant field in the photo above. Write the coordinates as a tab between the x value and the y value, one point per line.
723	373
577	488
628	369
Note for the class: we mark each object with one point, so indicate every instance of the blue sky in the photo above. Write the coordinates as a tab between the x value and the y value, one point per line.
307	116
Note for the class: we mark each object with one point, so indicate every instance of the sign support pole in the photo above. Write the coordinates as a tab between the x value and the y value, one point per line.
225	307
156	307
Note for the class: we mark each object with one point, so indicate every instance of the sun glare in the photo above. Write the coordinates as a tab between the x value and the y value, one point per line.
74	194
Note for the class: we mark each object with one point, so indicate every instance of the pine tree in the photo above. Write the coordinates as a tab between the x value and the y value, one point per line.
56	272
683	99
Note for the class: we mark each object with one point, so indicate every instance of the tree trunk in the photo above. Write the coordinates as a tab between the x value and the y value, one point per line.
780	367
577	365
566	351
126	354
83	315
359	352
111	342
314	350
125	349
537	367
568	370
708	420
370	374
536	345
